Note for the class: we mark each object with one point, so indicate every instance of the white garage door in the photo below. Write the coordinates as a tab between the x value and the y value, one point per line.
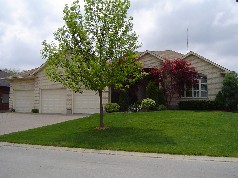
24	100
87	102
53	101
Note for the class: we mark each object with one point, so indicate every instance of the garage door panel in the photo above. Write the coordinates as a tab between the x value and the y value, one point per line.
87	102
24	100
53	101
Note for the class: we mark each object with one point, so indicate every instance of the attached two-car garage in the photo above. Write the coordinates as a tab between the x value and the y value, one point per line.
54	101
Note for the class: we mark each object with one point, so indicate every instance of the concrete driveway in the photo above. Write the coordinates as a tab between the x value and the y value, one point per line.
14	122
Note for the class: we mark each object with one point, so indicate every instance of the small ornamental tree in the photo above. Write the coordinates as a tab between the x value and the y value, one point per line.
173	75
95	48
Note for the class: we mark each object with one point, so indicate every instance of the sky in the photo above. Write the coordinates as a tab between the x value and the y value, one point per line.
161	25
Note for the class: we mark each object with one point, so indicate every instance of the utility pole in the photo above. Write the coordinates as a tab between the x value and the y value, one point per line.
187	37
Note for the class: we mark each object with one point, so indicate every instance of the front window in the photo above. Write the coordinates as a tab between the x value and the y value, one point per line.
198	90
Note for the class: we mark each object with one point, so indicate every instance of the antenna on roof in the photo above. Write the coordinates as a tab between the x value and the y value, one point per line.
187	39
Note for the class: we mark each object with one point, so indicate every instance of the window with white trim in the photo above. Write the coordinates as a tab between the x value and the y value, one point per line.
198	90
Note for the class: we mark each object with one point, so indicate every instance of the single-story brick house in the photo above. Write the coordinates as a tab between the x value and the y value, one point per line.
4	91
33	90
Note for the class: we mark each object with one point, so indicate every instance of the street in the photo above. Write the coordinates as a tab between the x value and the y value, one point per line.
37	161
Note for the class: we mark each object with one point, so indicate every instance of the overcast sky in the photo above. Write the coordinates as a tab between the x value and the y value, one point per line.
160	24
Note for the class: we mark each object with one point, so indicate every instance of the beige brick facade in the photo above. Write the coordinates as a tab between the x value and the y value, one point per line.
38	82
214	73
150	61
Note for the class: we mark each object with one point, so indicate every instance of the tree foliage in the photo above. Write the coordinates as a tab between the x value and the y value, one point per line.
95	48
173	75
228	97
11	71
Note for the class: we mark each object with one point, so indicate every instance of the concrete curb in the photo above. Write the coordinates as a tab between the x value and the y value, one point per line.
124	153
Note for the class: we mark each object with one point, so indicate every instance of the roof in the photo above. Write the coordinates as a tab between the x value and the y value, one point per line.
3	82
167	54
24	74
162	55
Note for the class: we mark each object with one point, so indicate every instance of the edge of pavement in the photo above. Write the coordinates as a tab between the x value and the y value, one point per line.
123	153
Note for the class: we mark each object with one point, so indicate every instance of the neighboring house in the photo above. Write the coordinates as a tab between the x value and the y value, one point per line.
210	79
4	91
33	90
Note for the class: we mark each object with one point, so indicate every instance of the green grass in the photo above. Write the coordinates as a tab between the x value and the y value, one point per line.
174	132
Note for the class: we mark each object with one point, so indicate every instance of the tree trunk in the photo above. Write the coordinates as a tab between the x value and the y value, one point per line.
101	109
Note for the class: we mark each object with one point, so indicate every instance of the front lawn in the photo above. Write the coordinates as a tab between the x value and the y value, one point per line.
175	132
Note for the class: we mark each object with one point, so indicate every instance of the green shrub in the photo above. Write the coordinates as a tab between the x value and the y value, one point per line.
162	107
111	107
35	110
197	105
220	101
148	104
154	92
124	100
136	107
230	91
161	99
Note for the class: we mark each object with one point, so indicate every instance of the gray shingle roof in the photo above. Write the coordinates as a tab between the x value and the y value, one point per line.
167	54
2	81
23	74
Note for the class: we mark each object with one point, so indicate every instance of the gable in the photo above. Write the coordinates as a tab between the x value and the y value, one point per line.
213	72
202	66
202	63
205	66
42	81
150	61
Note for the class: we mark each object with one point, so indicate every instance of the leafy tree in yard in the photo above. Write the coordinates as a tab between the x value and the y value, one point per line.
95	48
228	97
173	75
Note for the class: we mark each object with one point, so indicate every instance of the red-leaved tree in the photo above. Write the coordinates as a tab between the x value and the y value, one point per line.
173	75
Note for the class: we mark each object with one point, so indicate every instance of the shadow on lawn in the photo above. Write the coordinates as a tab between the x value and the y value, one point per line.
125	137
